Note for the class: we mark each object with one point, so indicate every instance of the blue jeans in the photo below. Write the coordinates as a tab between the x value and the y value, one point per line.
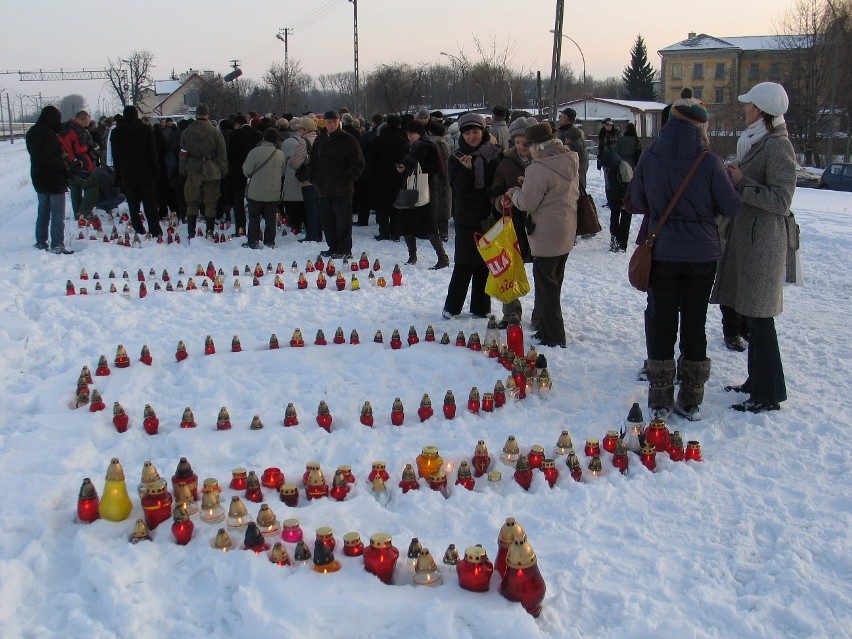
313	226
51	212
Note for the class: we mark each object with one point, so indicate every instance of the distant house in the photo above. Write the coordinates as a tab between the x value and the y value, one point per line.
719	69
592	111
174	96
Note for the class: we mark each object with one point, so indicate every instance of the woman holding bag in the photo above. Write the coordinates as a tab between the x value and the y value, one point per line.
549	197
471	172
422	221
684	254
752	271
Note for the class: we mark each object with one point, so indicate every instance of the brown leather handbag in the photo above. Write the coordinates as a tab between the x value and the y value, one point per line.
639	269
587	214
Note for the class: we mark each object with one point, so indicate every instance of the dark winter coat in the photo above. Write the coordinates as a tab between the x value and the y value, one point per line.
575	139
607	140
242	141
690	233
338	162
384	153
134	153
751	274
506	176
471	205
629	149
422	221
49	166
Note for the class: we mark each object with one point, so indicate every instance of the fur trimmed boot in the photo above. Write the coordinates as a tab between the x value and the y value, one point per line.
693	377
661	373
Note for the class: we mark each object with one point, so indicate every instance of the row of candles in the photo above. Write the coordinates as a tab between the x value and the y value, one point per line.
157	501
516	563
528	373
216	281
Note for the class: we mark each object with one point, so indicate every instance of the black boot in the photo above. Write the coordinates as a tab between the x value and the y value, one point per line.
443	260
411	243
693	377
661	374
190	226
211	226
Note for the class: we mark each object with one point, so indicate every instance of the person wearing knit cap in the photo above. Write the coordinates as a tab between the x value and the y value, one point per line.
471	171
753	269
299	161
422	116
684	256
548	195
291	191
509	174
422	221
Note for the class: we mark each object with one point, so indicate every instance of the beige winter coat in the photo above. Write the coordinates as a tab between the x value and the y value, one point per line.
264	181
549	196
752	270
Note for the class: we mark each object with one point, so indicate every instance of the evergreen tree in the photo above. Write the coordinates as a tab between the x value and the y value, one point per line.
639	76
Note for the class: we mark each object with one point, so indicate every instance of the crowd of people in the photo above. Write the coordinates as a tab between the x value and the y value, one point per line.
324	173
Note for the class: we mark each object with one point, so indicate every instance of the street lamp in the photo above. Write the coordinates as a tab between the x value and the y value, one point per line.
463	65
583	58
511	99
483	94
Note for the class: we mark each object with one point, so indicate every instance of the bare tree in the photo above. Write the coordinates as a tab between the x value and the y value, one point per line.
397	87
129	76
815	35
289	86
339	88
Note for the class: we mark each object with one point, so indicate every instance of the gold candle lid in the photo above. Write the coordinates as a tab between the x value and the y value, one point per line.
430	451
115	472
494	476
223	541
475	554
288	490
520	554
351	539
381	540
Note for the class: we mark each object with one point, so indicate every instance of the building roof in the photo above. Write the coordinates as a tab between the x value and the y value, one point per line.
702	41
633	105
166	87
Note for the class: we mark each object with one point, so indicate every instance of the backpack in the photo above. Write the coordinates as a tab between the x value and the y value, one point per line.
305	172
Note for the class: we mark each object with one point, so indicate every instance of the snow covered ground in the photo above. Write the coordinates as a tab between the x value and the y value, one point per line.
752	542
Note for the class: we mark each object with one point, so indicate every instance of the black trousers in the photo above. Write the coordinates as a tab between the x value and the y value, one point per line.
267	211
619	227
336	218
733	324
146	196
765	371
238	194
548	273
295	211
387	218
679	294
465	275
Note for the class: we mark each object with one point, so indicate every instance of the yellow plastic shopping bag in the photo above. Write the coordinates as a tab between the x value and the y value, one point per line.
507	278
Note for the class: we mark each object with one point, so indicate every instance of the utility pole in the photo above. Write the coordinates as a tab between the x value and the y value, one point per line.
557	56
11	120
357	82
236	65
283	32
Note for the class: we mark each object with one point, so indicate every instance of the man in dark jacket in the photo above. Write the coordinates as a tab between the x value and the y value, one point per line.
574	139
79	148
204	162
338	162
49	170
135	156
242	140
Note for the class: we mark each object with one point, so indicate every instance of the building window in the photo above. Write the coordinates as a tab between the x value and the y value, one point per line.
754	71
720	95
775	71
698	93
720	70
698	71
677	71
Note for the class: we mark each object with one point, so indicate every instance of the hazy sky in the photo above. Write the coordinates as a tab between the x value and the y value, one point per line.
50	34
